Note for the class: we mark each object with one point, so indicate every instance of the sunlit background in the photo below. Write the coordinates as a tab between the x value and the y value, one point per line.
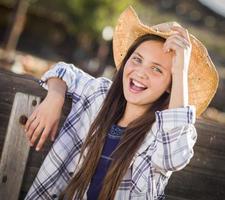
36	33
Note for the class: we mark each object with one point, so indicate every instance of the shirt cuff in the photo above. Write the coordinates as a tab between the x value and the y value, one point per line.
175	117
59	70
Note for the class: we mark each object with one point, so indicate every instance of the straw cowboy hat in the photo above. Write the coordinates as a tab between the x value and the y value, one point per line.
202	76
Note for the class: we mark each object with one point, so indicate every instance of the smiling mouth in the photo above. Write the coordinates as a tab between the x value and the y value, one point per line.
136	87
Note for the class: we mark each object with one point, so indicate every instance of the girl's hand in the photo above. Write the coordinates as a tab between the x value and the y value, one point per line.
165	27
44	120
180	43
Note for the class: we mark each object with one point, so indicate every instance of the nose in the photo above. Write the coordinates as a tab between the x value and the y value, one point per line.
141	74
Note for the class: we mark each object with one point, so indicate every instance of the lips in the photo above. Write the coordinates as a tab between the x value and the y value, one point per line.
136	87
138	84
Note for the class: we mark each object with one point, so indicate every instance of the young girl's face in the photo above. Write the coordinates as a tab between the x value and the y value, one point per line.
147	74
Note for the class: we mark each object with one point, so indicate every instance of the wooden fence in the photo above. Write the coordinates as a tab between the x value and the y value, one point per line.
202	179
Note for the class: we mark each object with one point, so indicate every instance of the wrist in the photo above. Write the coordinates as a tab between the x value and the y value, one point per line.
180	77
56	96
180	72
179	90
56	89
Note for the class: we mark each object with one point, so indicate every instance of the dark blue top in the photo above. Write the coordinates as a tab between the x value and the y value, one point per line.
110	145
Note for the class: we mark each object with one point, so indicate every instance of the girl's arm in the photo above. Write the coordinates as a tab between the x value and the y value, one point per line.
45	118
181	47
75	78
179	90
57	89
61	79
175	137
174	128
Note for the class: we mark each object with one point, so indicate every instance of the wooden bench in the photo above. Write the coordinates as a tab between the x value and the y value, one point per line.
203	178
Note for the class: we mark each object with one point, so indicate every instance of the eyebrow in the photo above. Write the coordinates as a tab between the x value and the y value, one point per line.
155	63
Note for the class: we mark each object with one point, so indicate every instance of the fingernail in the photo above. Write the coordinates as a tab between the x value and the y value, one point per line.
31	144
37	149
25	130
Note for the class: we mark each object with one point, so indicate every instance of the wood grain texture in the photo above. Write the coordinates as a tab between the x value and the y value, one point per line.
16	148
10	84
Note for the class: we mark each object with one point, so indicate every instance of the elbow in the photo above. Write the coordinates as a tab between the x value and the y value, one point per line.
176	154
183	151
180	162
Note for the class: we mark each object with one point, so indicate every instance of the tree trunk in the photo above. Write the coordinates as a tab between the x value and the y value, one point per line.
14	31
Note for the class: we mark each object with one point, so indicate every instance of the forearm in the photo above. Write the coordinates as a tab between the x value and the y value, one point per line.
174	130
179	90
56	89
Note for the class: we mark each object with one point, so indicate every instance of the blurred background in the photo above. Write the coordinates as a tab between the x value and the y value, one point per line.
34	34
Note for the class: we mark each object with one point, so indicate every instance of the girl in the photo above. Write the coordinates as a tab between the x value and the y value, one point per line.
123	138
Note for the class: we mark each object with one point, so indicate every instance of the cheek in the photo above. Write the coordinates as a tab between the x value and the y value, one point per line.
127	68
161	84
126	72
125	75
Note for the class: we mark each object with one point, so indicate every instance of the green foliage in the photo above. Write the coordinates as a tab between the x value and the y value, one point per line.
85	16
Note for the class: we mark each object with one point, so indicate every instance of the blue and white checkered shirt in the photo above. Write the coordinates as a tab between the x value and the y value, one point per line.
167	147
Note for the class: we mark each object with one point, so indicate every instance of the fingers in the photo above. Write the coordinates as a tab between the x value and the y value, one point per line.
180	39
43	122
54	131
45	134
175	40
173	45
30	120
36	133
33	129
182	31
165	27
43	138
32	126
174	26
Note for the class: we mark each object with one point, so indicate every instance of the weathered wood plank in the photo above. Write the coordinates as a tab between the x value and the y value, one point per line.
16	148
195	186
204	177
10	83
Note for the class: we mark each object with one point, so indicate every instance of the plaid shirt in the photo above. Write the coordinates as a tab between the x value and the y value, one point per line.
167	147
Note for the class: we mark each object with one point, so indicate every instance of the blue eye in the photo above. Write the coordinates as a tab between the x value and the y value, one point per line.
157	69
136	59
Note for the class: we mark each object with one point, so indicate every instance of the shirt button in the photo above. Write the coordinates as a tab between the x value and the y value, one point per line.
54	196
71	173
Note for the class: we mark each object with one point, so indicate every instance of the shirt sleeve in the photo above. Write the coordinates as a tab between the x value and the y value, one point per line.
75	78
175	137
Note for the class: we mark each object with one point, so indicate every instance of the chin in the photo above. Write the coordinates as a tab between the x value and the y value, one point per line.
137	100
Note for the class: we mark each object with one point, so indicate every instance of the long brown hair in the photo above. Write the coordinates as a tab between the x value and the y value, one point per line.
112	110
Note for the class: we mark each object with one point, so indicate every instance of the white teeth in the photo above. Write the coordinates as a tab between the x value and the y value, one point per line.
138	84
